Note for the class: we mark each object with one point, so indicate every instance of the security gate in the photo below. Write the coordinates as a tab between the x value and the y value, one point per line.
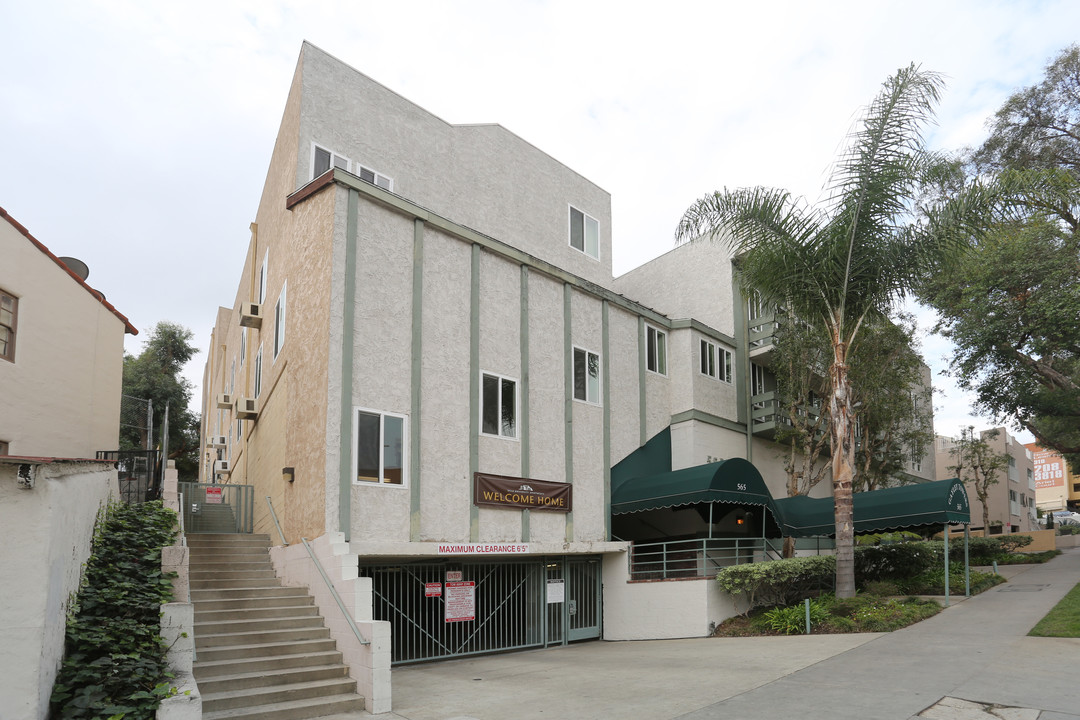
457	607
214	508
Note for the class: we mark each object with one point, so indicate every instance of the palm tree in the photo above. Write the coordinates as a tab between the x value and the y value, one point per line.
842	264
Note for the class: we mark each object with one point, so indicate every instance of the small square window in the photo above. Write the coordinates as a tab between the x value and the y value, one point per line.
381	450
584	233
586	376
498	406
656	350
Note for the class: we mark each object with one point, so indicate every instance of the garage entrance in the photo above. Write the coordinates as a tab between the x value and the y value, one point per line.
463	606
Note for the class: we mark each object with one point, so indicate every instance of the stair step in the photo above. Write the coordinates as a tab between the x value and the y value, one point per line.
233	574
274	677
292	710
250	697
247	612
235	583
217	668
260	637
220	627
214	600
264	650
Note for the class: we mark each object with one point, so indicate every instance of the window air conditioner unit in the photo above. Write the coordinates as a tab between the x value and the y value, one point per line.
221	467
224	401
217	441
245	409
251	315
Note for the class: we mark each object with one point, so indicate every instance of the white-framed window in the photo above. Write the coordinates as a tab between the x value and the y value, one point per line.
279	321
262	277
498	405
584	233
655	350
258	372
586	376
757	379
715	361
243	345
375	178
323	159
380	448
239	430
9	316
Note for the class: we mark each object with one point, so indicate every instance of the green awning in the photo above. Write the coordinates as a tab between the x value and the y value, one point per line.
730	481
897	508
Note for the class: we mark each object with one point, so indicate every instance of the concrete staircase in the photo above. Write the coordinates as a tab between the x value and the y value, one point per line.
262	649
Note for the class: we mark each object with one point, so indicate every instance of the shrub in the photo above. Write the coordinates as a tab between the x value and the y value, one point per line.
896	562
779	582
1068	529
114	664
1012	543
881	588
791	620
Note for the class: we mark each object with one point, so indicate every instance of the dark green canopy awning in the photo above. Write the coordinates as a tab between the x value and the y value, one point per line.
897	508
730	481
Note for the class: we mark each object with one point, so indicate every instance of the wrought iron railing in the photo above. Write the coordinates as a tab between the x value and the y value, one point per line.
702	558
138	471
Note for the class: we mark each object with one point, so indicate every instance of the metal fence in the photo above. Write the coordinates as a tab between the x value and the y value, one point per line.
137	416
213	508
139	473
698	558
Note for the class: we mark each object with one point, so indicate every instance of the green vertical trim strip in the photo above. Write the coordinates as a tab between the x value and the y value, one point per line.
742	367
474	391
348	333
523	414
568	413
643	431
417	378
606	350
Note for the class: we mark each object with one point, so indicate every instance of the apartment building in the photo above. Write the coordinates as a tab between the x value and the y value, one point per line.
427	352
1011	499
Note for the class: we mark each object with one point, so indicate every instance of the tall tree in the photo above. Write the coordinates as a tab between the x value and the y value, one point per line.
978	465
155	375
844	263
1011	303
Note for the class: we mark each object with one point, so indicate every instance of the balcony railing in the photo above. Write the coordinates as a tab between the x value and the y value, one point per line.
685	559
767	416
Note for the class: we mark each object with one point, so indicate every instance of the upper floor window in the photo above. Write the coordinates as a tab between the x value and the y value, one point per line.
586	376
368	175
279	322
262	277
258	372
380	450
498	406
715	361
3	447
323	159
656	350
243	345
9	321
584	233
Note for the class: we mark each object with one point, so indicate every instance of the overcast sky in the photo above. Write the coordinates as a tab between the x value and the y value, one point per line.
135	135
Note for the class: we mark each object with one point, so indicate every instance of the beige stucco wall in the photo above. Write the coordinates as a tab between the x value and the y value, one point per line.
48	531
998	493
61	396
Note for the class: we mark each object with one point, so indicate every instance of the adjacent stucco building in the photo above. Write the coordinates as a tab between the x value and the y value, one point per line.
1011	499
427	351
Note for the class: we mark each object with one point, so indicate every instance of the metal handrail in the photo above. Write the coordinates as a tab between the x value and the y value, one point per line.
334	592
276	523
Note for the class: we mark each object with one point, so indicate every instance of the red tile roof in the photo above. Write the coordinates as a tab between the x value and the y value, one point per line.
128	327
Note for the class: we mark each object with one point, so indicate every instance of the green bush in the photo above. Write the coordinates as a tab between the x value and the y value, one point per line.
882	588
1068	529
932	582
895	562
792	620
114	664
779	582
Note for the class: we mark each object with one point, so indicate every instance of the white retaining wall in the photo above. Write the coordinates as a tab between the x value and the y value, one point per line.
368	664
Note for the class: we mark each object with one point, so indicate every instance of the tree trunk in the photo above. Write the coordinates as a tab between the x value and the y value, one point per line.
843	466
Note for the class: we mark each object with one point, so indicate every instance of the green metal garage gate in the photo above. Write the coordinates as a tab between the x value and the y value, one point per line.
462	606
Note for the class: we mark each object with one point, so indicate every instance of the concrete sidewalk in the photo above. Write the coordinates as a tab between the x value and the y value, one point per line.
954	666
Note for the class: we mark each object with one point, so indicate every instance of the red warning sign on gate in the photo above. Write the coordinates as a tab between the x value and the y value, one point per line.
460	601
213	496
432	589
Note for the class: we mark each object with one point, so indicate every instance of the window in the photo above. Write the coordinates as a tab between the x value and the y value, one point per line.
279	322
239	430
3	447
1012	461
380	450
715	361
1076	487
498	406
322	159
656	350
1023	500
586	376
262	277
916	458
243	346
368	175
9	320
258	373
757	379
1012	495
584	233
